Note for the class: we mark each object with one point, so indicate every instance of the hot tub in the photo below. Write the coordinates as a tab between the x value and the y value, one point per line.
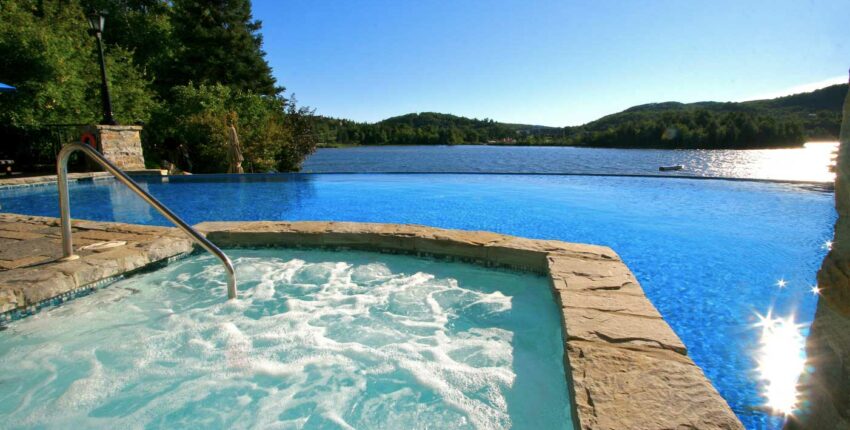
318	339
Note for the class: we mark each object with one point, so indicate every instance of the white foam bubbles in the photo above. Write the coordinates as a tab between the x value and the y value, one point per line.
317	344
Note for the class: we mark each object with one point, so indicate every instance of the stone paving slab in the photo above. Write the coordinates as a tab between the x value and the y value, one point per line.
618	388
30	270
626	367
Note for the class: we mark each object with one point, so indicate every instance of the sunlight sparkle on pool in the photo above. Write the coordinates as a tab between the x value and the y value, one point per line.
781	360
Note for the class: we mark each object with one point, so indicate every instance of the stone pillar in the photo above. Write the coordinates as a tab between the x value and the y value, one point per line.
825	393
120	144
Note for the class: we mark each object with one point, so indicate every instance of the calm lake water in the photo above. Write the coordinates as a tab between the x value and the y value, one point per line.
810	163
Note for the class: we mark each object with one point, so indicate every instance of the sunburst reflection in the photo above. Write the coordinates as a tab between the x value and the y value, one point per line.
781	360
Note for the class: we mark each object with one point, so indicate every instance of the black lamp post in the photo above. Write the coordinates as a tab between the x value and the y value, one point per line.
96	21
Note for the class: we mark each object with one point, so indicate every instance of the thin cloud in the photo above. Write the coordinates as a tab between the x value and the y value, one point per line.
797	89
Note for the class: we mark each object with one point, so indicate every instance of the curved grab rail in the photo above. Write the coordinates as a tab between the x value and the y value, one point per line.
65	209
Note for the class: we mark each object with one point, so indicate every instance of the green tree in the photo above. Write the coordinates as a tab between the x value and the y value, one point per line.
142	27
218	42
52	61
275	134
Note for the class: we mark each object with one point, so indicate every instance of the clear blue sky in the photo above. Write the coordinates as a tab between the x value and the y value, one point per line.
546	62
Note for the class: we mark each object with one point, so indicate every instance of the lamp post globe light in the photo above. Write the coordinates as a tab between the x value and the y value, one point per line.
96	22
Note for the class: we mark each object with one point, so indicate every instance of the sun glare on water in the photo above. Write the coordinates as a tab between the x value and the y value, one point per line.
811	162
781	361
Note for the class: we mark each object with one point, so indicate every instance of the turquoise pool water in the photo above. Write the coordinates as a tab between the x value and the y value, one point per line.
319	339
709	253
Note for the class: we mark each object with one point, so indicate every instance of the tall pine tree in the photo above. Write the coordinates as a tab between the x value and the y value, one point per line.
219	42
143	27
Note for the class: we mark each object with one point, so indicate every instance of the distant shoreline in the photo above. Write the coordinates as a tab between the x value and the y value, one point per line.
515	145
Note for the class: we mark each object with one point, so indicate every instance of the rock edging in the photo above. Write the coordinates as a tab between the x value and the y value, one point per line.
42	277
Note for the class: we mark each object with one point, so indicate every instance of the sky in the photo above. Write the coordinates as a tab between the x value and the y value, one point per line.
547	62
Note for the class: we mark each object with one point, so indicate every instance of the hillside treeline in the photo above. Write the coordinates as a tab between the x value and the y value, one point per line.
781	122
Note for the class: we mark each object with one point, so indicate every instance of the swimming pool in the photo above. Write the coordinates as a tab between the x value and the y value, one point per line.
318	339
709	254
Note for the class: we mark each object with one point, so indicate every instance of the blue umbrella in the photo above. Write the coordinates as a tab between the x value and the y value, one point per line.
6	88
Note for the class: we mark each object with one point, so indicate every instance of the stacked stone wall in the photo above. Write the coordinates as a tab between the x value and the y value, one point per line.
120	144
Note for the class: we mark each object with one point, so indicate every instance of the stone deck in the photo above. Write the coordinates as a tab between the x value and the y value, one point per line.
626	367
30	248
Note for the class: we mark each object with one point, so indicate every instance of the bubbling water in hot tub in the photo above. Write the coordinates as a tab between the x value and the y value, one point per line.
317	339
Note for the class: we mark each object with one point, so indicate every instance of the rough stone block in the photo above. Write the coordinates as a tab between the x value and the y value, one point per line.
564	266
449	247
8	300
625	284
625	389
620	329
505	256
605	301
120	144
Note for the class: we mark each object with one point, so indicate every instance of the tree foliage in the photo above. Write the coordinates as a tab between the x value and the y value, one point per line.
780	122
219	44
671	129
181	66
427	128
817	113
53	63
696	129
144	28
275	135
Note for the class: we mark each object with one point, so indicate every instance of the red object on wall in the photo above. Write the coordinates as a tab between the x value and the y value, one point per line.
89	139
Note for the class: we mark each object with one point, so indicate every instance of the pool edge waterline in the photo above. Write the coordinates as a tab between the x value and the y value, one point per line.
50	180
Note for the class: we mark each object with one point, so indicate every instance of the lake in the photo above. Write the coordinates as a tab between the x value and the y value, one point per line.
809	163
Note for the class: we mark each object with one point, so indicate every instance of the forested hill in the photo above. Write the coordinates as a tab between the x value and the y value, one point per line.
427	128
783	121
818	112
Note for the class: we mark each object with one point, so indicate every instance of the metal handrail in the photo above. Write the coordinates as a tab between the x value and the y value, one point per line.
65	209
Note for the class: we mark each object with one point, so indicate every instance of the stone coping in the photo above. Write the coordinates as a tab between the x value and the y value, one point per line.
26	181
625	366
117	127
30	247
49	179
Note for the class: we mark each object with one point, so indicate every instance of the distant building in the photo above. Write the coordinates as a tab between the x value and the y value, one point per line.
503	140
